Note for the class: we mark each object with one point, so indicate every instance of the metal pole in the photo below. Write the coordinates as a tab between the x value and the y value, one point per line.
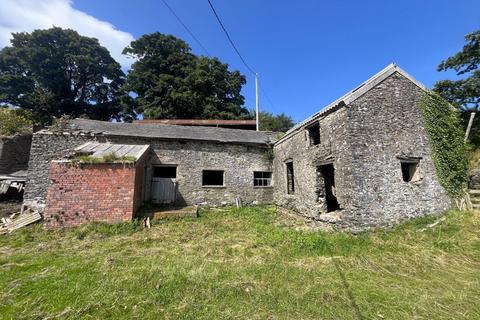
257	115
469	127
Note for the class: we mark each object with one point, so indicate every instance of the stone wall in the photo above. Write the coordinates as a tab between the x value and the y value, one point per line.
45	148
14	153
384	124
364	141
191	157
333	148
90	192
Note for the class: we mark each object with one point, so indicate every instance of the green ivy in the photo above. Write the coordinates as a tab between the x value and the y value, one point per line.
445	134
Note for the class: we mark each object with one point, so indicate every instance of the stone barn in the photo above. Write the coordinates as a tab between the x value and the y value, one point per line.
182	166
363	161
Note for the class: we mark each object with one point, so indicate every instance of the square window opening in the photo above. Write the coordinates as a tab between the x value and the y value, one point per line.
165	172
314	134
262	179
290	178
408	170
212	178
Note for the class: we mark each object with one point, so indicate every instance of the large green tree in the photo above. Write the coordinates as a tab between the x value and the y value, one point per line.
168	81
56	71
465	92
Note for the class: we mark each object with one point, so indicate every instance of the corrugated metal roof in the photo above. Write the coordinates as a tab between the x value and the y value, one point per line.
98	150
171	132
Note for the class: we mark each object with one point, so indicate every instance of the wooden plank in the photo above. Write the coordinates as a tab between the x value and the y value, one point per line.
23	220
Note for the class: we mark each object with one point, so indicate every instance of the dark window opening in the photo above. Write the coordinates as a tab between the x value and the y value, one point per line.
328	173
262	179
165	172
314	134
408	170
212	178
290	178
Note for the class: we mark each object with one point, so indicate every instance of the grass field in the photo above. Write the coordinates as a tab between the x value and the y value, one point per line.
251	263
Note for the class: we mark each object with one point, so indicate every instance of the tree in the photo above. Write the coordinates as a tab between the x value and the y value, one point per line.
464	93
168	81
15	121
57	71
278	123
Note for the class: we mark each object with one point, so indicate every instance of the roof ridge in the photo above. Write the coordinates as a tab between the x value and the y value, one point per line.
355	93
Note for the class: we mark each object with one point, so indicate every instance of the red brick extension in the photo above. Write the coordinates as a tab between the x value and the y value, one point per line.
92	192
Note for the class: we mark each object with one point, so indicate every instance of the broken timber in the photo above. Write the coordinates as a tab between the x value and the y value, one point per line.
8	225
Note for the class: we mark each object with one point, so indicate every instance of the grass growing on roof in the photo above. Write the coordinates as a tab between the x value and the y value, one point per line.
247	263
111	157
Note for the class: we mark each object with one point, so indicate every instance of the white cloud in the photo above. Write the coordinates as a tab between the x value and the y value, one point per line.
28	15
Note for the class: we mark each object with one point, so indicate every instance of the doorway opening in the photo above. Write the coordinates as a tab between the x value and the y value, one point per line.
328	173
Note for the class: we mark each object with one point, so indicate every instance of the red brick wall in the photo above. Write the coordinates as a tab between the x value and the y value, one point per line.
90	192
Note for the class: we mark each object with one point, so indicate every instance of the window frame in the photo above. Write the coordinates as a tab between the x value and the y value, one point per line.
213	185
267	180
154	166
412	165
311	141
290	186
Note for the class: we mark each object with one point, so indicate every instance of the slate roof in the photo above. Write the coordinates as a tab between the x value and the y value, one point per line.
172	132
197	122
98	150
353	95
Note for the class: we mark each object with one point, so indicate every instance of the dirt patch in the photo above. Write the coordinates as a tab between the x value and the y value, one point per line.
292	219
9	207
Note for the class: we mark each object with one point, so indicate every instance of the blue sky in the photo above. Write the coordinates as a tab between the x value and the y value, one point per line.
308	53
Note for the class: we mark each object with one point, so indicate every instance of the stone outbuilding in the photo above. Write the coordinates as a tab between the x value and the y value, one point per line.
363	161
183	165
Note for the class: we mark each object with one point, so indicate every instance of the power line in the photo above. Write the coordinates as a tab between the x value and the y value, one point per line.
185	26
229	38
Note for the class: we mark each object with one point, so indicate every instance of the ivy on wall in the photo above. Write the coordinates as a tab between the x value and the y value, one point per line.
445	134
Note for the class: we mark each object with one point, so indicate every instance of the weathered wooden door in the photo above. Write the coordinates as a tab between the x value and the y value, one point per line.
163	190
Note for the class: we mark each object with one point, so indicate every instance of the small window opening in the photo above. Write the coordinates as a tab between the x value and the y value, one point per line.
262	179
409	168
212	178
290	178
314	134
165	172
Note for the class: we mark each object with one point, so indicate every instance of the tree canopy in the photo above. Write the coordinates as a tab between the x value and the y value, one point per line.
168	81
278	123
465	92
57	71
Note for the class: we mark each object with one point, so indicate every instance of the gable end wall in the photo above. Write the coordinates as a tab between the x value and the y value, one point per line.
363	140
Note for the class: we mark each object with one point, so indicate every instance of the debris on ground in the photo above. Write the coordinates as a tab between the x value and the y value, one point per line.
431	225
18	220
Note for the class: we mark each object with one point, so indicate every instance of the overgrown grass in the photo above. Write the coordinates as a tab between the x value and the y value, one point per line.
242	264
106	158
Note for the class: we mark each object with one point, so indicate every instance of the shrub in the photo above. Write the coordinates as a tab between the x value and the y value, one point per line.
15	121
